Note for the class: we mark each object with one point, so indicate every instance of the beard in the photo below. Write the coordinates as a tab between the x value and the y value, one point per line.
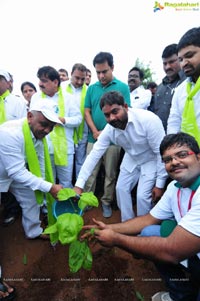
119	124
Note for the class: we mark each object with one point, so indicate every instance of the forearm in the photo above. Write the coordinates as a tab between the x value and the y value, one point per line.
89	121
134	226
153	248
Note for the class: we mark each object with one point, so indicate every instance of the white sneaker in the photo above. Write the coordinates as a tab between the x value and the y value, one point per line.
161	296
166	297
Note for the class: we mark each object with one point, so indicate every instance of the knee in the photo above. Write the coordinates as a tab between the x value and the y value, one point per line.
153	230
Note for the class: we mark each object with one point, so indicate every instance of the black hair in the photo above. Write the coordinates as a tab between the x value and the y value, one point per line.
28	84
49	72
63	70
79	67
141	73
179	139
151	85
103	57
191	37
169	51
110	98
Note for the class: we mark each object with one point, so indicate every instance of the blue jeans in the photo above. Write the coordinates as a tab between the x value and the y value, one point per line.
182	283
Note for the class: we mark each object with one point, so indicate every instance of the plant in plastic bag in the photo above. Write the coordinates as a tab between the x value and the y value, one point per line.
68	227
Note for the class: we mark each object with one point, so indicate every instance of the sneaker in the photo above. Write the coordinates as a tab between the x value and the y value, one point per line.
107	211
161	296
9	220
166	297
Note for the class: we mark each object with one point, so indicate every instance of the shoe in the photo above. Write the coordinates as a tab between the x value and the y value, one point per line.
161	296
166	297
4	288
9	220
107	211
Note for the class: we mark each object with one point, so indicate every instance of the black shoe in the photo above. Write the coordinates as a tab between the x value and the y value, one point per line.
9	220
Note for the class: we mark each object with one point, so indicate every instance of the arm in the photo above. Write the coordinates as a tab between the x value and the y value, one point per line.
172	249
13	162
99	148
129	227
91	124
144	100
73	117
175	115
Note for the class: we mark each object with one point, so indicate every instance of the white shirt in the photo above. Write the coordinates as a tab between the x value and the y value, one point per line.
140	98
167	208
140	140
13	158
178	103
77	94
72	117
15	107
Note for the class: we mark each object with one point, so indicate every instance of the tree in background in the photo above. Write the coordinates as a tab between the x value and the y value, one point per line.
148	73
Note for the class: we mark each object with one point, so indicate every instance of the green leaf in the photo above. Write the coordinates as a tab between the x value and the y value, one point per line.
139	296
68	226
65	194
92	231
80	256
87	199
76	256
87	262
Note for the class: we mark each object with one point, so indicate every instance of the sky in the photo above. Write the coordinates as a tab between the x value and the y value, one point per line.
60	33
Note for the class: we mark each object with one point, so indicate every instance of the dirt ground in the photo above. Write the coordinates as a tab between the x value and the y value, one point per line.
40	272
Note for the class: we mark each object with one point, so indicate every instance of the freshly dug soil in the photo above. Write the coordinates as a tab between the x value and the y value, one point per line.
41	273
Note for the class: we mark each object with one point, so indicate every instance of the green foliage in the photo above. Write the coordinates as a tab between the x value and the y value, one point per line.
65	194
87	199
80	256
139	296
68	227
148	73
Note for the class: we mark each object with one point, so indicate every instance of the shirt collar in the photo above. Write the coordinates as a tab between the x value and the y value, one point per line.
113	81
193	186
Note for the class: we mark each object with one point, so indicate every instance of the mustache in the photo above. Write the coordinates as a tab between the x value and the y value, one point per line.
176	167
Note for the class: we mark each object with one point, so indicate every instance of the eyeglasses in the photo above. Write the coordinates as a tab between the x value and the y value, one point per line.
180	155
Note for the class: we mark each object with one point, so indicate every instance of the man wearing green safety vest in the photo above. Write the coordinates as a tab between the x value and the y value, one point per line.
78	88
185	110
11	107
60	140
25	163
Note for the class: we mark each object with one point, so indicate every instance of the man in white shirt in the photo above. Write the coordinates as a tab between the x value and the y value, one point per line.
189	57
49	83
14	175
78	89
180	205
139	133
11	107
140	97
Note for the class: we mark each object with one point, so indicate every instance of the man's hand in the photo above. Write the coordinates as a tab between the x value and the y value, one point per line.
54	190
96	134
78	190
105	237
62	119
157	194
96	226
